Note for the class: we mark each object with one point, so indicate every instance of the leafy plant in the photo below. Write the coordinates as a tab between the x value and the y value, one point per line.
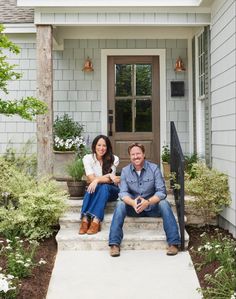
32	207
76	169
27	107
24	160
8	286
210	189
165	155
67	134
189	161
19	258
222	283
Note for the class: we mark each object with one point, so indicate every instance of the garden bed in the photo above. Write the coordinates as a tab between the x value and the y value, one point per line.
36	286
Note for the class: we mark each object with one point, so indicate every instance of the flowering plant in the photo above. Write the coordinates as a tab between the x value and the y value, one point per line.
8	286
67	134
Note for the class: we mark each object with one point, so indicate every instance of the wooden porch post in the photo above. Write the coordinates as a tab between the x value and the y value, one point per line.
45	93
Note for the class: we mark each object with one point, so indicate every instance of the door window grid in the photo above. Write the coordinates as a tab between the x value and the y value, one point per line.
138	122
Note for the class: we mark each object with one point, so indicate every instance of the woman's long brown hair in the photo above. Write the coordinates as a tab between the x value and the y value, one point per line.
108	157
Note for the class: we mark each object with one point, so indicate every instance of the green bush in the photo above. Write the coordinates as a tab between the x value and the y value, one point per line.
24	160
210	189
28	207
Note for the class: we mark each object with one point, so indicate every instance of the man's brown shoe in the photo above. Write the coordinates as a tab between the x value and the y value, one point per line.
84	226
94	228
114	250
172	250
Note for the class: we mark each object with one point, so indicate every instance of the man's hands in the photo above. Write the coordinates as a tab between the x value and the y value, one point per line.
139	204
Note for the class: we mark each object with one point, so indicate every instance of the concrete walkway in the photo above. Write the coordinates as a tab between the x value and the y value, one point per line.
135	274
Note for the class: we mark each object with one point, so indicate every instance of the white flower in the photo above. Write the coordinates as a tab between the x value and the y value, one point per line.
4	287
42	262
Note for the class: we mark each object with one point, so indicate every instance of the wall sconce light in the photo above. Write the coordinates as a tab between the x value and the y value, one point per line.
88	66
179	65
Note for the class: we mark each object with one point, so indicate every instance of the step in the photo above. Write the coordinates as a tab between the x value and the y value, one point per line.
138	239
75	204
72	219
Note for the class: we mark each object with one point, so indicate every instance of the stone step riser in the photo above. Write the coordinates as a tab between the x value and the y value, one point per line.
103	245
127	225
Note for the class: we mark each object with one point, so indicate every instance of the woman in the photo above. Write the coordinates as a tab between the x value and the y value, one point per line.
100	169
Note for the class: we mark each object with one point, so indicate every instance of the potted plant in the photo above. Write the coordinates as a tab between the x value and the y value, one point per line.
165	157
67	143
76	184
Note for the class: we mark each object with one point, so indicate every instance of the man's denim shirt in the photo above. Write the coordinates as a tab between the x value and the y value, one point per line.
149	183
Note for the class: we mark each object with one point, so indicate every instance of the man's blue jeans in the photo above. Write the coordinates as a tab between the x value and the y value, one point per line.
162	209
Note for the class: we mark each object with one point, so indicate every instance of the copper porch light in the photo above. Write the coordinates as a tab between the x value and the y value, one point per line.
179	65
88	66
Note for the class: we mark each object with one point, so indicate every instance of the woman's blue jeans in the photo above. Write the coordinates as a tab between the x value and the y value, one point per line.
94	203
162	209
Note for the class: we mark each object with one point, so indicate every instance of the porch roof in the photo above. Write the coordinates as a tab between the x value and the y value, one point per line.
114	3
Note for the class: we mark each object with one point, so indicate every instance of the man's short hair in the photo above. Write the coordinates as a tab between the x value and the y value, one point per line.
141	146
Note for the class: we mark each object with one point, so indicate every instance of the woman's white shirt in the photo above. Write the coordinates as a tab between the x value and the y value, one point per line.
93	166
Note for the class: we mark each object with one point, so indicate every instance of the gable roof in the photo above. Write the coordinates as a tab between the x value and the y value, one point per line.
10	13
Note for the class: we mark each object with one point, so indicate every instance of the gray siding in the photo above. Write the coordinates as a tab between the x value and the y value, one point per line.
79	94
223	97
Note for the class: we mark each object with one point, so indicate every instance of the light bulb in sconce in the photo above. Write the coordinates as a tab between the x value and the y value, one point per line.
88	66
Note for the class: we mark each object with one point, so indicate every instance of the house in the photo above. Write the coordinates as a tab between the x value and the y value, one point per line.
185	50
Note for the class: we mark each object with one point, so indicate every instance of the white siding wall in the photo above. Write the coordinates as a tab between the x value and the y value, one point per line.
223	88
79	94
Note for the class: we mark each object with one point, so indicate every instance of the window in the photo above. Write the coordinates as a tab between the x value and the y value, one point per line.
201	65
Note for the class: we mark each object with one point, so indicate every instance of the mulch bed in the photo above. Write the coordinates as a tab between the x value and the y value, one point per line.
35	287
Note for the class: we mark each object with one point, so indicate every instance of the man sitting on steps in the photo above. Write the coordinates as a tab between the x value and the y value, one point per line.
142	194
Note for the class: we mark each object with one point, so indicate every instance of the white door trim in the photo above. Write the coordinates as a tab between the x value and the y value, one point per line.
135	52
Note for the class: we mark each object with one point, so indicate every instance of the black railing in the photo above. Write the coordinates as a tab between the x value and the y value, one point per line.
177	167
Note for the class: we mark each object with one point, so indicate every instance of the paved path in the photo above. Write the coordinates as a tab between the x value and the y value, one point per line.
136	274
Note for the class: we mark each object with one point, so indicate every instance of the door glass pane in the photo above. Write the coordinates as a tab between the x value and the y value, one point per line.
143	120
123	116
123	80
143	79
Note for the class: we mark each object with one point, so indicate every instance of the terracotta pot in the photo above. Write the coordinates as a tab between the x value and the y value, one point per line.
60	161
166	170
76	188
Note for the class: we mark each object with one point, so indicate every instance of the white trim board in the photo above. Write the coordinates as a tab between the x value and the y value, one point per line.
135	52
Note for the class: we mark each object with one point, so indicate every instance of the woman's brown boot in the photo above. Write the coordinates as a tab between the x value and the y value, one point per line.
94	228
84	226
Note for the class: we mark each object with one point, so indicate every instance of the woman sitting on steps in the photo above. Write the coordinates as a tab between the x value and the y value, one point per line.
100	169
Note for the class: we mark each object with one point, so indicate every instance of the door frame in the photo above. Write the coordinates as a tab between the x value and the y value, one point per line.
134	52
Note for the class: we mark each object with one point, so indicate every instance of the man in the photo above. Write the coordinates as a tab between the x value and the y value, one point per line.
142	194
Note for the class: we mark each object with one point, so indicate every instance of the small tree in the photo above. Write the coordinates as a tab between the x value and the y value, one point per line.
27	107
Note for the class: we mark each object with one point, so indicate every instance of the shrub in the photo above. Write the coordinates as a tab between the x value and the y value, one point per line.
28	207
210	189
24	161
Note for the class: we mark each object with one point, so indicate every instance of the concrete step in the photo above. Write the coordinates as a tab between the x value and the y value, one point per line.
75	204
72	220
138	239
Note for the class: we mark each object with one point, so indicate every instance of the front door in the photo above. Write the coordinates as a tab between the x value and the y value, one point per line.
134	105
